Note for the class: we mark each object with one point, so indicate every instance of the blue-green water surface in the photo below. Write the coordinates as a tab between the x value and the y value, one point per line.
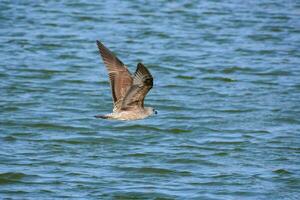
226	87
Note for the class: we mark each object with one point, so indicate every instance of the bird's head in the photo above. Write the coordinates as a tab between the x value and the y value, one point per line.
151	111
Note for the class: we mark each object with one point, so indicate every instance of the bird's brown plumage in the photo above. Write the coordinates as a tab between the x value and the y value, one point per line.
142	83
120	77
128	91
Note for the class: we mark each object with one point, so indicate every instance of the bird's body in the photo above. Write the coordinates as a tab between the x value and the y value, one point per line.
128	91
129	115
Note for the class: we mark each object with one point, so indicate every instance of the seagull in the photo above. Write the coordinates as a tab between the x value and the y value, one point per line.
128	91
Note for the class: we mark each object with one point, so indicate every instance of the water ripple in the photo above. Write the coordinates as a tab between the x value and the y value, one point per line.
226	87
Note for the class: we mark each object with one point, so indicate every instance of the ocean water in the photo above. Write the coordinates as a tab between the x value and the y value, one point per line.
226	87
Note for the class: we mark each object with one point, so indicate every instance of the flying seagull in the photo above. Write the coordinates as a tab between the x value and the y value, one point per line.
128	91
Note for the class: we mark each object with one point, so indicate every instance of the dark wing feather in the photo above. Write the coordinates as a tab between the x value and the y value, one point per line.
120	77
142	83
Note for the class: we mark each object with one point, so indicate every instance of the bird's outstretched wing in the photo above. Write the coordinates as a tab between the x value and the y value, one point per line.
120	78
142	83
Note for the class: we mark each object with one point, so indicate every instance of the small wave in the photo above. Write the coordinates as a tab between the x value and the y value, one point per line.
137	127
288	120
86	140
87	18
11	177
178	130
220	154
51	46
155	170
274	73
174	86
210	183
281	171
225	142
185	77
230	70
223	79
139	195
264	82
3	75
9	138
235	111
68	57
137	155
56	126
10	109
183	161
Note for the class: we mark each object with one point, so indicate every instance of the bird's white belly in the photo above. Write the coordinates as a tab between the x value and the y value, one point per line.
129	115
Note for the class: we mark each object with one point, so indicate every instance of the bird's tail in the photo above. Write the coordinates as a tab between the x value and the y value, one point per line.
102	116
